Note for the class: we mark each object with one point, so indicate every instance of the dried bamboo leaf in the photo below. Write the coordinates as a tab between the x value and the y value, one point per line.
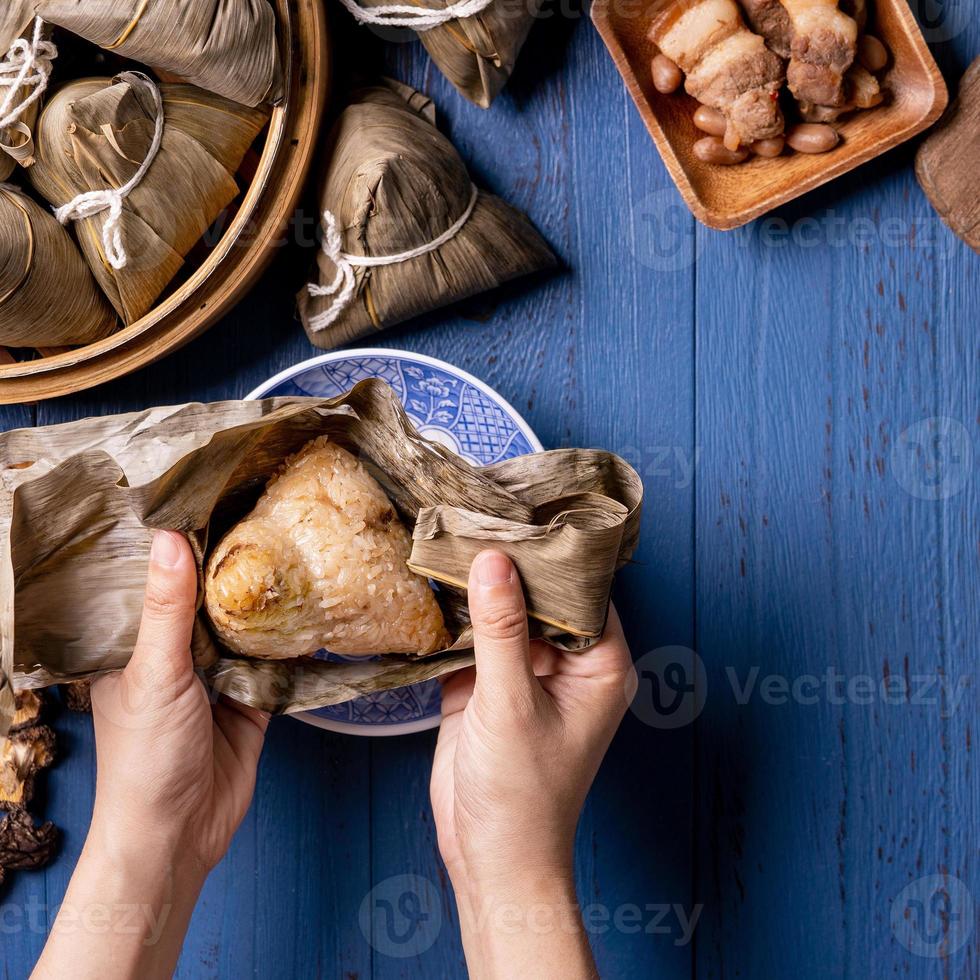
77	503
225	46
15	16
36	252
395	183
94	134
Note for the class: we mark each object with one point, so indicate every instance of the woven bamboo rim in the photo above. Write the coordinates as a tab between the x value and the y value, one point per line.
243	253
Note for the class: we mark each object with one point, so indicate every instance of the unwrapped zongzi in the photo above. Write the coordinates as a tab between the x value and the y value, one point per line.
94	140
321	562
225	46
405	230
76	527
48	297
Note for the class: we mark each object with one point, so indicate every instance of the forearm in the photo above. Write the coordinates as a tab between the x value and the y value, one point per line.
527	927
124	914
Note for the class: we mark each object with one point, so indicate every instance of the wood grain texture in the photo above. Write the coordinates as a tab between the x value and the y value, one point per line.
946	161
789	359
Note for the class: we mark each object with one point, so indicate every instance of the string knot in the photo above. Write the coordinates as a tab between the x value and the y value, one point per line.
417	18
344	283
92	203
27	65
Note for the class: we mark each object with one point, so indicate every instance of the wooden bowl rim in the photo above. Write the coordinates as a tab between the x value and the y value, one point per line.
291	135
837	165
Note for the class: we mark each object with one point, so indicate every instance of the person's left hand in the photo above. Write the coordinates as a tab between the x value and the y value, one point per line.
173	770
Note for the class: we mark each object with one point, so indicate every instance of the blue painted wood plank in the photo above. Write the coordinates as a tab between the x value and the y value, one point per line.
821	347
578	355
853	322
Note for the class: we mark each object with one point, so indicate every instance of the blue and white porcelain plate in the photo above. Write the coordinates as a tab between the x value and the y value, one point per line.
447	406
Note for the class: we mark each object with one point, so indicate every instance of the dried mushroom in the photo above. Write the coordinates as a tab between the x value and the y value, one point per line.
29	707
23	755
78	696
27	749
24	845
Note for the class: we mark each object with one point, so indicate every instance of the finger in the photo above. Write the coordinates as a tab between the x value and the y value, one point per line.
243	727
169	607
457	689
500	631
612	653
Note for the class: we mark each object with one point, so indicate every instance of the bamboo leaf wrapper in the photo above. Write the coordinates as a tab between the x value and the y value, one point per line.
79	502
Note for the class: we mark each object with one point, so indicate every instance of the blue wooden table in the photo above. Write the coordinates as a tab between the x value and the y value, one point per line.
802	398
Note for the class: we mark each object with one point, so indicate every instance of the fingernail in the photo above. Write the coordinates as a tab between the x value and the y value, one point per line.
493	568
165	549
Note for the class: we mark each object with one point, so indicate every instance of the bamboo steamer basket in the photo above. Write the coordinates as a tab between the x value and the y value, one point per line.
275	179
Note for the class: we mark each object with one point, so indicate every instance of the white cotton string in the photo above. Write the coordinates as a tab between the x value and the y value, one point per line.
91	203
26	65
342	288
417	18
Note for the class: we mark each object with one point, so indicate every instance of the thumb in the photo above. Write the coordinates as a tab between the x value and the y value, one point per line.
162	655
500	632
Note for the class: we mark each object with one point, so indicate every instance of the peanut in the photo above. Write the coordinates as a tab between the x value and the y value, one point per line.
667	77
872	54
710	120
712	149
769	148
812	138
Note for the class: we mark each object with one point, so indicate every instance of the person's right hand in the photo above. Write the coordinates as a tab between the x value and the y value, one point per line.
522	738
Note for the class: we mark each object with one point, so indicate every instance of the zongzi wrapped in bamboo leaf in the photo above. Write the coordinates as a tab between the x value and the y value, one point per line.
476	52
228	47
25	70
321	562
405	230
48	297
95	139
15	18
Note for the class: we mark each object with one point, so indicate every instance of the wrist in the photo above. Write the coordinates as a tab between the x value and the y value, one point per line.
133	839
126	910
514	924
154	868
492	865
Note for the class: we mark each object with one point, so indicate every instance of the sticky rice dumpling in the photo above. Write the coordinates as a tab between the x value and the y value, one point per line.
321	562
411	232
25	69
95	135
36	255
477	54
15	16
225	46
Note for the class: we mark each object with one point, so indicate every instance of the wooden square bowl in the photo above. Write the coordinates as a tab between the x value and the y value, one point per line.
727	197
